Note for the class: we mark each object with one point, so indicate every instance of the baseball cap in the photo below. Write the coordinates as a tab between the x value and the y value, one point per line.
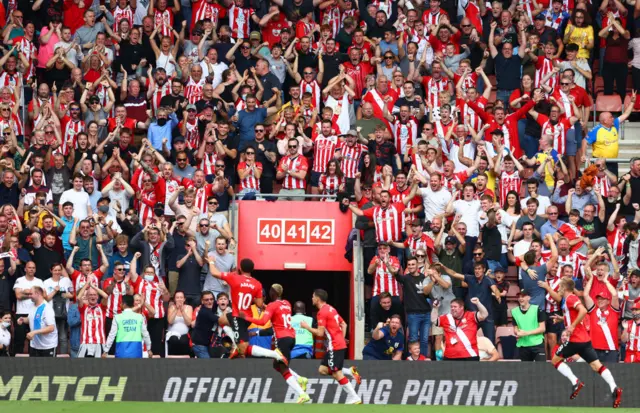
94	99
352	132
539	17
499	269
451	240
285	29
178	138
523	292
191	106
604	294
254	35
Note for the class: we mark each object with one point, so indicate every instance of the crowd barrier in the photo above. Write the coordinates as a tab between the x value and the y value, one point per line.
254	381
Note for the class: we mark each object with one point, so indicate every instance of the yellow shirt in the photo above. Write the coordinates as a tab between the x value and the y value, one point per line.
605	142
581	36
491	182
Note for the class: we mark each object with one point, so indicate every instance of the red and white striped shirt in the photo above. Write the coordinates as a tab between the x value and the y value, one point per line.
429	18
509	182
551	305
332	17
388	221
558	131
193	90
575	260
192	137
92	327
158	94
350	157
383	280
208	163
324	149
114	301
79	279
331	185
201	196
295	164
9	80
250	181
165	17
148	200
314	88
70	128
634	335
404	134
432	87
604	183
474	119
122	14
203	10
29	51
152	295
240	21
422	242
616	240
544	65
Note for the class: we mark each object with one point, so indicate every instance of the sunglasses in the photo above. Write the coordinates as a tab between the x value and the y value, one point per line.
552	213
48	132
181	222
388	57
259	130
182	159
293	146
251	153
207	299
421	256
477	254
565	84
118	269
213	203
465	25
308	73
245	47
146	181
191	110
219	166
204	225
6	110
209	143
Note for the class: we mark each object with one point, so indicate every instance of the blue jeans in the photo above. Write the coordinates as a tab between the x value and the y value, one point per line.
504	95
419	324
489	330
201	352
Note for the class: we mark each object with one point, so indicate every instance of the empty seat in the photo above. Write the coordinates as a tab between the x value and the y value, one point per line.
611	103
504	331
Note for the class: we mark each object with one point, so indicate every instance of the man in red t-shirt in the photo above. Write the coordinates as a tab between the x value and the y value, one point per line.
460	329
278	312
245	291
579	343
333	326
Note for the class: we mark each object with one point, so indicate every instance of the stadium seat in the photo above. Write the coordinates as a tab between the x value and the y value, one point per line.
512	294
611	103
510	305
504	331
178	357
512	273
599	85
22	355
63	356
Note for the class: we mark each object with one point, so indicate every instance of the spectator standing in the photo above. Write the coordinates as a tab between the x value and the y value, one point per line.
92	314
529	329
304	339
460	337
5	333
206	320
179	317
189	265
24	288
42	334
128	340
58	291
604	316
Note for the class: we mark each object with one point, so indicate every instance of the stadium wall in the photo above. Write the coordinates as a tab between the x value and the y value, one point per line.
254	381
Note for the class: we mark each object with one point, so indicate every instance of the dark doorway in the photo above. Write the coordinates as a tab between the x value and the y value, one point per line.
299	286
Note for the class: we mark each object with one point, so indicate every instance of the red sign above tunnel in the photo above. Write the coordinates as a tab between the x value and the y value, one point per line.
276	235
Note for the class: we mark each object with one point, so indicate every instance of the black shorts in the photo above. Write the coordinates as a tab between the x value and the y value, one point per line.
315	178
334	359
33	352
532	353
554	328
285	345
240	328
584	350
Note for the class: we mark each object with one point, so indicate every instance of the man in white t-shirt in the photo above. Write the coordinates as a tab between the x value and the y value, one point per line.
435	197
468	209
78	197
543	201
42	323
23	289
521	247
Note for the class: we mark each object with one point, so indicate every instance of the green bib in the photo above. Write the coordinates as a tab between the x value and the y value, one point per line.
527	322
303	337
129	327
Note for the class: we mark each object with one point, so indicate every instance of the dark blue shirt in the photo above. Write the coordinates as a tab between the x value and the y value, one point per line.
536	292
508	71
384	348
247	122
480	289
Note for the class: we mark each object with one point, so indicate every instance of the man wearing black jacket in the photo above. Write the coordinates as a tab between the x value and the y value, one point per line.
416	289
203	329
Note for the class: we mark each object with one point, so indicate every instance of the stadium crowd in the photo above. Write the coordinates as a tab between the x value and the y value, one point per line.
458	134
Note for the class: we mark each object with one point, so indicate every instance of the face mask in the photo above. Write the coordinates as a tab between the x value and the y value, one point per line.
149	278
636	316
162	122
244	97
7	324
103	208
158	212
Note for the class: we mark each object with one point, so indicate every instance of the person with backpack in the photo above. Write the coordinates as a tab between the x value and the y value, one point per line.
59	290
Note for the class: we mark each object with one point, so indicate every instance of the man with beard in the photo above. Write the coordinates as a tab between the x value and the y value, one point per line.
58	177
94	111
359	70
249	117
157	89
555	125
404	128
170	99
29	191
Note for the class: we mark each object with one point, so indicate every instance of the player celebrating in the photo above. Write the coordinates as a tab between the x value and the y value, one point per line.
331	324
579	343
245	290
279	313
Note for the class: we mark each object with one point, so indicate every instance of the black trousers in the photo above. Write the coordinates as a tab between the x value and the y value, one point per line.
635	74
155	326
615	72
179	346
607	356
20	335
51	352
107	327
